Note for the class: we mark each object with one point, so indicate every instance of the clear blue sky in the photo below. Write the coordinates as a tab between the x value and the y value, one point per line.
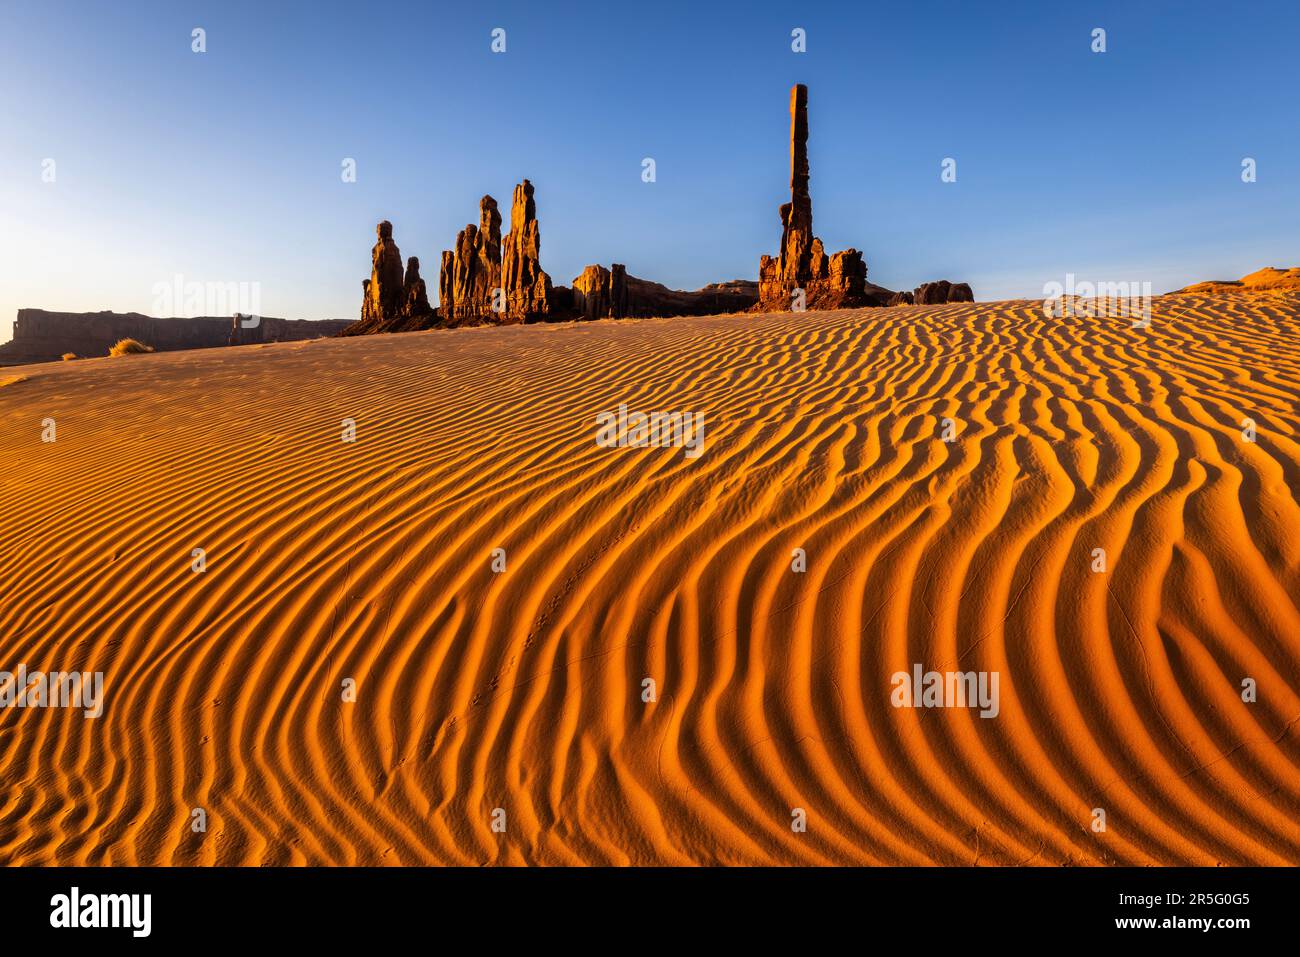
224	166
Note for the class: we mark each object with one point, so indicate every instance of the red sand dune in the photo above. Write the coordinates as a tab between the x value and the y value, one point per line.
1268	279
523	690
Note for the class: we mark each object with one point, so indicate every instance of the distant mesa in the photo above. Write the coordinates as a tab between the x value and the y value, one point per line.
43	336
484	279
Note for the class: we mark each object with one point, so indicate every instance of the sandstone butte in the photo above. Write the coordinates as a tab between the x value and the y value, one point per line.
486	280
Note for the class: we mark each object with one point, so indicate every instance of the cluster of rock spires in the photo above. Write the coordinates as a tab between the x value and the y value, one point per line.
484	279
487	280
392	301
481	280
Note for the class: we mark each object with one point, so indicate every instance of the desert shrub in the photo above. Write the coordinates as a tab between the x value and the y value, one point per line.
126	347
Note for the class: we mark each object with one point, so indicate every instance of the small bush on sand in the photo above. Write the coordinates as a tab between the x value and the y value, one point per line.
69	356
126	347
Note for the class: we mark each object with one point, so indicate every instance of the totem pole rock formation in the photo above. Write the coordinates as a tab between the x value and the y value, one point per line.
383	292
827	282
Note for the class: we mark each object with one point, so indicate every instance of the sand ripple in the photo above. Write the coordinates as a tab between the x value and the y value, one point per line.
523	690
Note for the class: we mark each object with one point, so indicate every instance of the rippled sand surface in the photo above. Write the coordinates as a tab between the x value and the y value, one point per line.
522	690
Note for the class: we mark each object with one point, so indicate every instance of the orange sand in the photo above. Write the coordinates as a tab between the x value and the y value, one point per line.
522	690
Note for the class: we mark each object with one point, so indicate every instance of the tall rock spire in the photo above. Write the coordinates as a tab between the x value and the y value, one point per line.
469	274
802	275
527	287
383	294
796	216
415	297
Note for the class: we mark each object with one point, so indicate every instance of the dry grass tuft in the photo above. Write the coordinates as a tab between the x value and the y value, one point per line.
126	347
